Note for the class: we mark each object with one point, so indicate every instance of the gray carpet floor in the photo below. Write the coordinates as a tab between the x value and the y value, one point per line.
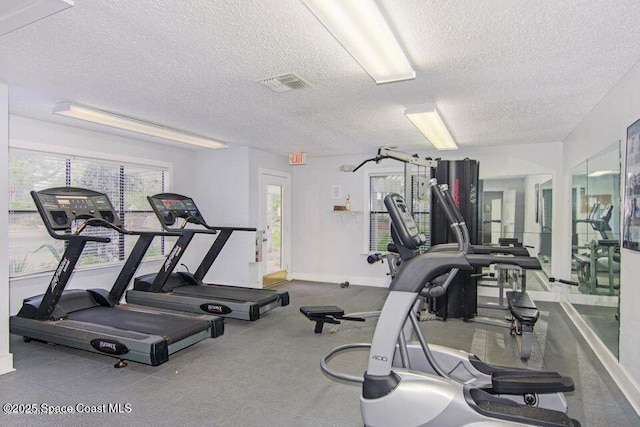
604	322
266	373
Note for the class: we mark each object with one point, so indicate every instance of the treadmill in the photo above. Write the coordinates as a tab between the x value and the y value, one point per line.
92	319
185	291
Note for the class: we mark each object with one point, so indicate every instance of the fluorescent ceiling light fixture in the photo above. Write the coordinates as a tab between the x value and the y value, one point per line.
603	173
426	118
362	30
15	14
134	125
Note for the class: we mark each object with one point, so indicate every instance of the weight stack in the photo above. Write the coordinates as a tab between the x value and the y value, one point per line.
461	176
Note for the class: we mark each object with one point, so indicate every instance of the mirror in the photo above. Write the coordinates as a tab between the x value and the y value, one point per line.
520	208
595	243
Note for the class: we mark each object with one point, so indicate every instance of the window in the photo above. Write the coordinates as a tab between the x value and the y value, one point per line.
31	249
379	223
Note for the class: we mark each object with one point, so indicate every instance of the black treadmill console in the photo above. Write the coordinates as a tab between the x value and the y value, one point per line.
404	226
169	206
60	206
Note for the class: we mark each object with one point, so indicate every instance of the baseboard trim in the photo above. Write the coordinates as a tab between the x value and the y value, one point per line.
6	363
629	388
331	278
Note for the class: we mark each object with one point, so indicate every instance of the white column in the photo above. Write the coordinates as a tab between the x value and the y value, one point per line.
6	358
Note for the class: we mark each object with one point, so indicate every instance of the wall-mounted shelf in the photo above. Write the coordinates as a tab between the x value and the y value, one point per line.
347	214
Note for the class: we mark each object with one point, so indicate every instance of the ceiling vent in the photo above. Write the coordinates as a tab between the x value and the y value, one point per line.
285	82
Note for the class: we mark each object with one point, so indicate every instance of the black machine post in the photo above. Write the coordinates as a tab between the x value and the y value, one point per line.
130	267
60	278
172	259
212	253
58	220
462	178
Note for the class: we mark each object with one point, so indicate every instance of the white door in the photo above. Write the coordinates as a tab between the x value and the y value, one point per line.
274	222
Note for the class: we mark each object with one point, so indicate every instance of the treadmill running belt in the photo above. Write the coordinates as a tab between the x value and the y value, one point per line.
257	296
173	328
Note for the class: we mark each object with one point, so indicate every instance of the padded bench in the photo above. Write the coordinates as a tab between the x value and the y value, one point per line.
525	315
582	259
322	314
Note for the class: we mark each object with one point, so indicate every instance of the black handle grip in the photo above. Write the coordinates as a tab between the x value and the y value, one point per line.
363	163
372	259
452	204
87	238
208	229
563	281
526	262
441	199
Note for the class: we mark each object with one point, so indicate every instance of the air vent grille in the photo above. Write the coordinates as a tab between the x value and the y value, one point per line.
285	82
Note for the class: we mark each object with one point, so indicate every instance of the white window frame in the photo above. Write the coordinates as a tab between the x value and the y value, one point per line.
366	222
367	208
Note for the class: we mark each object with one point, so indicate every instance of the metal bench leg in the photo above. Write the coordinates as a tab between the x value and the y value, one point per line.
319	326
527	338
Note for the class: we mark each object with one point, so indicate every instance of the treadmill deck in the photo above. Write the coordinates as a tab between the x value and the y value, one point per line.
172	328
228	293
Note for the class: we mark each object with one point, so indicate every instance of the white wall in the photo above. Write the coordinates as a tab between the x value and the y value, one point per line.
58	137
227	192
606	124
6	359
221	193
331	246
532	228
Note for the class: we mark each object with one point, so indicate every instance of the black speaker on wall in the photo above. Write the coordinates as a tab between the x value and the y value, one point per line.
462	178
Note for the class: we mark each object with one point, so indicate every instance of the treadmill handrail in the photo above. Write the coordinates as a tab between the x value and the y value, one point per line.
106	224
209	229
216	228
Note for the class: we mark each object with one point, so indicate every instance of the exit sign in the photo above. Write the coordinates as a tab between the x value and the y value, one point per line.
298	158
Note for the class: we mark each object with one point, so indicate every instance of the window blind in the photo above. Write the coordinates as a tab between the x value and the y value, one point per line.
380	185
31	249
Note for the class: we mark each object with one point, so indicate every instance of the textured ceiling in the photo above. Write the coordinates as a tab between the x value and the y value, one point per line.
500	71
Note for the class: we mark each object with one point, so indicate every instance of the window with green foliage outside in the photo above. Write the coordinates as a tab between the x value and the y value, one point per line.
32	250
380	185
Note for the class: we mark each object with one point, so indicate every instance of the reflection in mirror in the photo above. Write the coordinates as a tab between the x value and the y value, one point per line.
518	210
544	199
595	258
